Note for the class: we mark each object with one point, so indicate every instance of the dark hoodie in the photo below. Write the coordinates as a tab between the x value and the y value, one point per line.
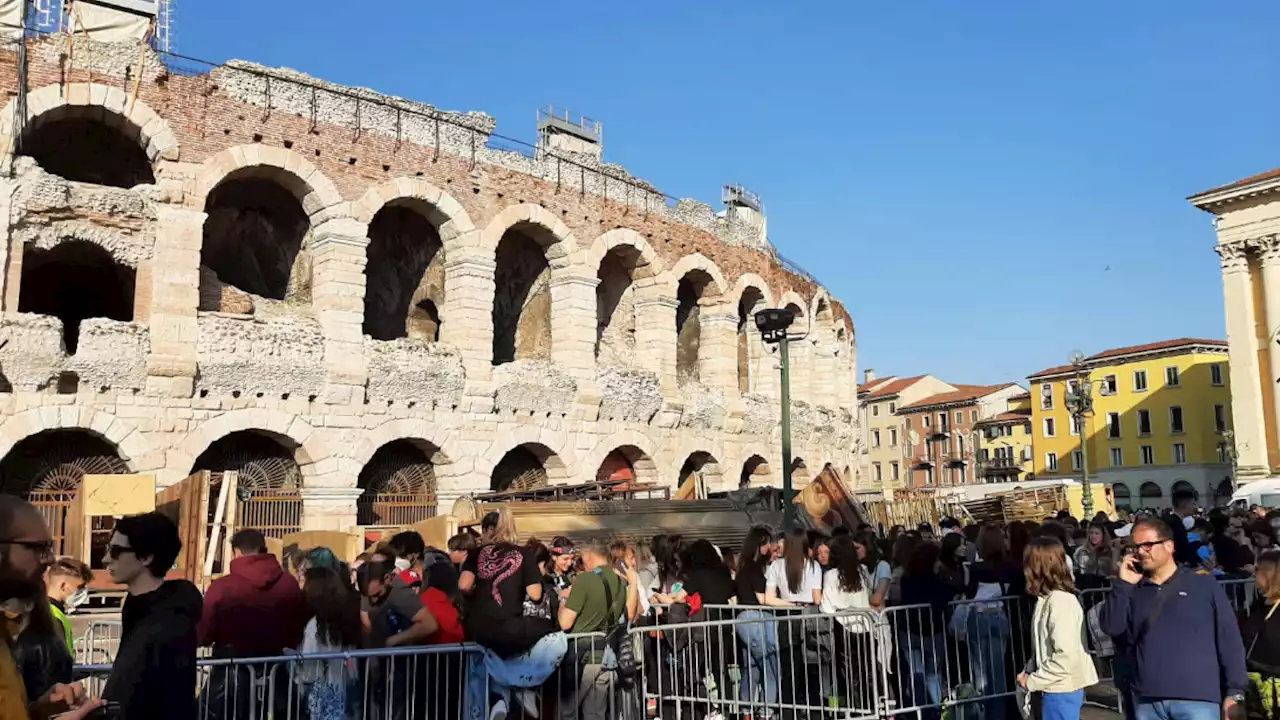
255	611
154	673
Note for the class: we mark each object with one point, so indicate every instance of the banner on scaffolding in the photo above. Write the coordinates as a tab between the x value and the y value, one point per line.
10	20
113	20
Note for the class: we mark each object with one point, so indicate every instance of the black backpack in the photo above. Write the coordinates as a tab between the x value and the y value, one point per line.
618	638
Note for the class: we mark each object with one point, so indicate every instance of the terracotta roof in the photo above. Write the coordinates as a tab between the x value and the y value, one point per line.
893	388
867	386
1010	416
962	393
1023	396
1133	350
1269	175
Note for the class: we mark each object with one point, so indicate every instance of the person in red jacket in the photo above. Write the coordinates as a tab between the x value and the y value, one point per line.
257	609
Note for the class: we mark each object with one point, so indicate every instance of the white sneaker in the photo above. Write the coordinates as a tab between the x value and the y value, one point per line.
499	711
528	701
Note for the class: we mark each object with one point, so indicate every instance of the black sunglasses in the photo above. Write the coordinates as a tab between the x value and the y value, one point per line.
115	551
1148	545
43	548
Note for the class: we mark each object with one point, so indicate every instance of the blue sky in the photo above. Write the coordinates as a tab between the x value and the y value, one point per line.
985	185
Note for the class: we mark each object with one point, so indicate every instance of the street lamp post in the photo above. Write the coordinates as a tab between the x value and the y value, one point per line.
1080	404
773	324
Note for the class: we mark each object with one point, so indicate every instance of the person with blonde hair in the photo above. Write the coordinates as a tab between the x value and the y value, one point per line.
1060	668
1262	639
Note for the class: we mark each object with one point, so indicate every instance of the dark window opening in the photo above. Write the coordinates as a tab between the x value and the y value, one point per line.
75	281
519	469
404	276
253	240
522	300
615	306
88	151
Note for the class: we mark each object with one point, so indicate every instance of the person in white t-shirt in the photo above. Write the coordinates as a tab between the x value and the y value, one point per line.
846	592
794	579
878	569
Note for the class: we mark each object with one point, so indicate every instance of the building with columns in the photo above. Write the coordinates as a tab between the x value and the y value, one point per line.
367	306
1247	219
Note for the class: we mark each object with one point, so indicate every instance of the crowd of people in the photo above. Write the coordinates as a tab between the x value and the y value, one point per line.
979	617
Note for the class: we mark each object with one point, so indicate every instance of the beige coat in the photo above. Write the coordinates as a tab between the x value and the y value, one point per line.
1060	663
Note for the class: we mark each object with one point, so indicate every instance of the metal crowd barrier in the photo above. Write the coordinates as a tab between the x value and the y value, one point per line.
98	643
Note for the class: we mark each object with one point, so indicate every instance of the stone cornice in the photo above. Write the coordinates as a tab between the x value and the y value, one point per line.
558	280
1234	256
1215	200
661	301
471	266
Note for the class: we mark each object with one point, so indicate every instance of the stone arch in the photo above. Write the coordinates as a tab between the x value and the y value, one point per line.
552	449
446	449
105	287
1149	491
756	472
525	467
1181	487
130	444
287	428
820	308
793	300
446	213
699	285
800	475
527	243
706	467
269	478
751	294
636	449
626	268
263	206
399	484
87	104
716	285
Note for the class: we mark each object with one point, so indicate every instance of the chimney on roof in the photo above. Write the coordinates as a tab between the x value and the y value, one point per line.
868	375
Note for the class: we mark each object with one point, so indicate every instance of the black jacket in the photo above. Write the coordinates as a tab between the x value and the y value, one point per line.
43	660
154	673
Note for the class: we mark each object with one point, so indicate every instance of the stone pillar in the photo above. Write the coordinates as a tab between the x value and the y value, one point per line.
801	352
1247	415
337	295
175	295
1269	254
656	339
718	350
573	322
326	508
467	315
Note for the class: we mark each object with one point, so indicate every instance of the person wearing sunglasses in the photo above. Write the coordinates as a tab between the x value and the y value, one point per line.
1177	628
26	550
154	673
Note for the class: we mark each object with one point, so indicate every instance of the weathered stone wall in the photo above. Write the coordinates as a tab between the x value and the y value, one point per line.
253	308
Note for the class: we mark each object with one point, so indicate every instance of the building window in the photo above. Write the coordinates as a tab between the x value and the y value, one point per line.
875	411
893	437
1220	418
1051	462
875	469
973	416
1048	427
1139	380
906	422
959	417
960	444
1077	460
1215	373
942	421
1113	426
1144	422
893	471
925	420
1077	424
1109	385
1148	455
1117	457
1046	396
1175	419
875	438
1180	453
1171	376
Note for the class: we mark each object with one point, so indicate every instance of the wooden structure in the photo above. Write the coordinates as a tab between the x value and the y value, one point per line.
912	507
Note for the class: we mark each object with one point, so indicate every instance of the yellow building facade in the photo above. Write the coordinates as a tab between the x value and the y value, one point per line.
1160	423
1006	442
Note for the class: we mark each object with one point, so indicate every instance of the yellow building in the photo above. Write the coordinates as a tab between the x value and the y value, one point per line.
1159	416
1005	443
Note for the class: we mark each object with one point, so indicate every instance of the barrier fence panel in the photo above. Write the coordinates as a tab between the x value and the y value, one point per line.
98	643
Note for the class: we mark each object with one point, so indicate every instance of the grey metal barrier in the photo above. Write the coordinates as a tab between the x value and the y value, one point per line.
98	643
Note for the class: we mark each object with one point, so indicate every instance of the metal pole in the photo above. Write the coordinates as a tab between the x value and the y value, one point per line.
1086	488
788	504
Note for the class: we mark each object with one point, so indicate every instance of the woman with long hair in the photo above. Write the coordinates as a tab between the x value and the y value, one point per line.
846	587
922	630
669	556
903	549
879	574
1261	631
1096	559
793	584
756	627
1060	667
334	627
951	560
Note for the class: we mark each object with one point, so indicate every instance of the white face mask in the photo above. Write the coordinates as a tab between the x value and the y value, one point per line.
78	598
403	564
1188	521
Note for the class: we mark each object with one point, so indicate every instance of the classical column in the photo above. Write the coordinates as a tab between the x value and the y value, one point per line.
1248	421
337	295
467	317
326	508
656	339
175	291
573	322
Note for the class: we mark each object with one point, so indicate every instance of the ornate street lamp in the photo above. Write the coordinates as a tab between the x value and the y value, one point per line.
772	324
1079	403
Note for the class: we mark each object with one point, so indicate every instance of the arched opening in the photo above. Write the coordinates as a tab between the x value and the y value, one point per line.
1223	492
399	484
1124	499
689	293
268	480
1150	494
616	467
755	472
522	296
1182	487
90	151
46	470
751	301
404	275
524	467
75	281
256	241
704	470
615	306
799	473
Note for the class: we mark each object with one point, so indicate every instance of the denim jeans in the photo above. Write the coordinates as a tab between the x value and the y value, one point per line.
764	667
926	656
526	671
1062	706
1178	710
988	641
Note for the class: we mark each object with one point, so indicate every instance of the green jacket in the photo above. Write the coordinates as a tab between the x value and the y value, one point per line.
65	622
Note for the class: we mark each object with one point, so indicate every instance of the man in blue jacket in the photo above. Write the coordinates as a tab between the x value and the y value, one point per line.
1180	630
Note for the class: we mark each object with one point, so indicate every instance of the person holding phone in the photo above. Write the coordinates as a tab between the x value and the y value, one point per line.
1180	631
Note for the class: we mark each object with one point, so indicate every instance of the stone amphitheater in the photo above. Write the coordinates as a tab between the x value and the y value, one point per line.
370	306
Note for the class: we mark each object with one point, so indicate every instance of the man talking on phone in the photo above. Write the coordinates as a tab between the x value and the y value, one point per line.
1188	658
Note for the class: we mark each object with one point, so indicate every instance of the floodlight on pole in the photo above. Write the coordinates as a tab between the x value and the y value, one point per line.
772	324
